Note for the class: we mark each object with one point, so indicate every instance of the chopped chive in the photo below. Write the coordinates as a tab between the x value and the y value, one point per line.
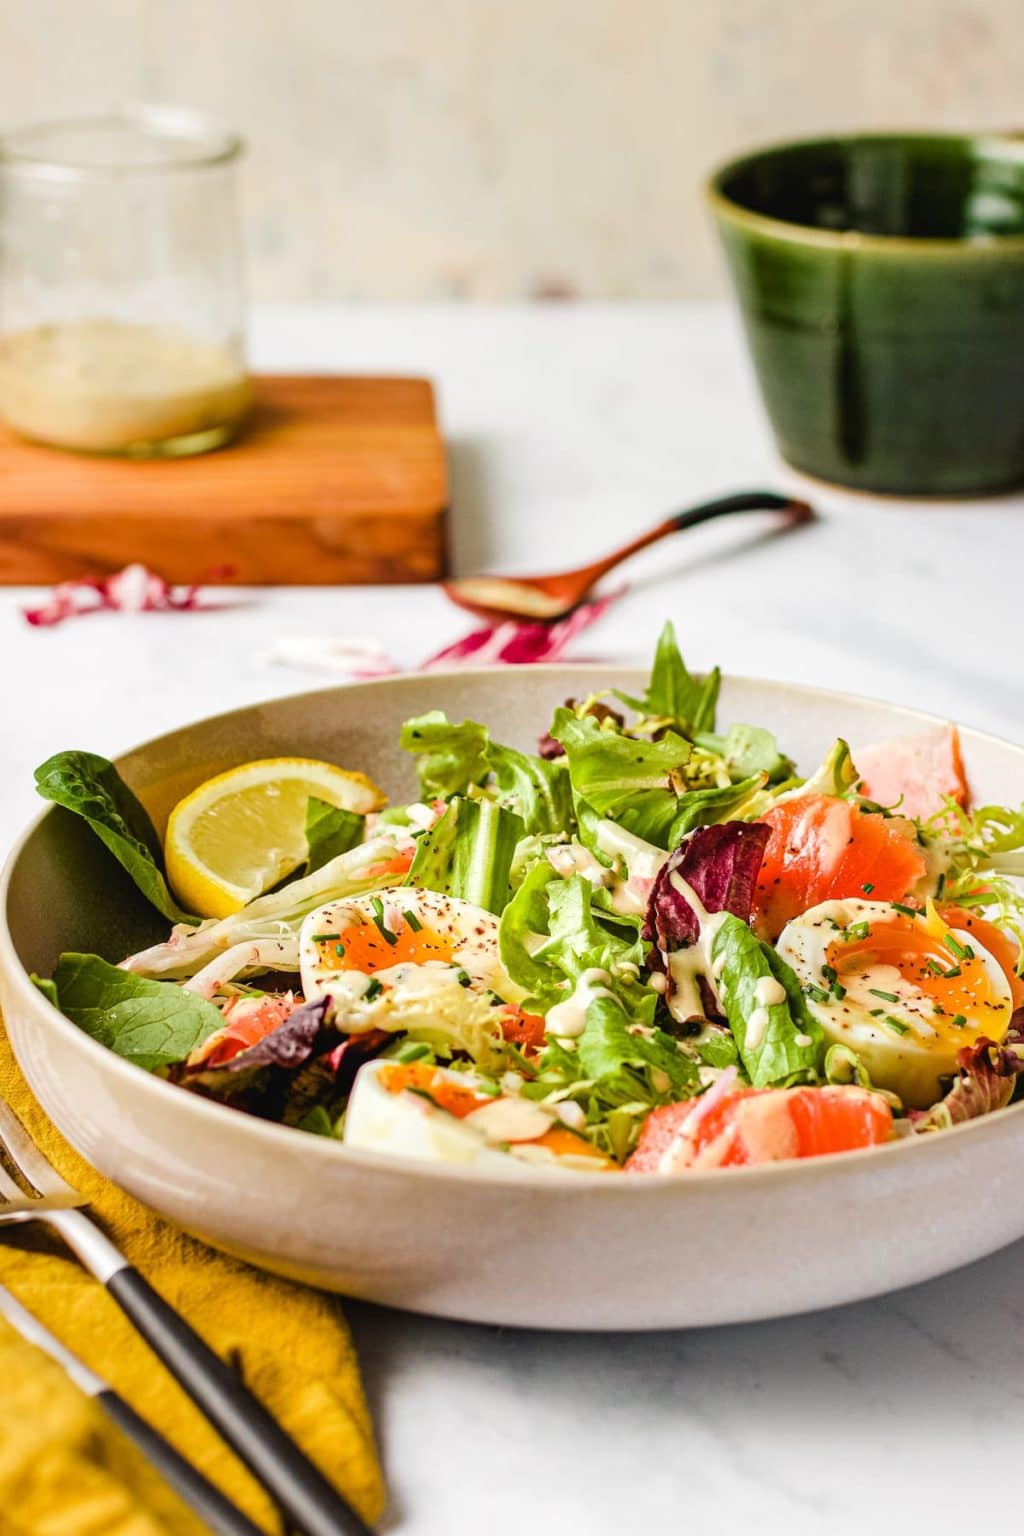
413	921
898	906
325	938
378	918
374	989
867	887
838	991
462	977
956	948
859	931
887	997
897	1024
339	950
958	1020
411	1050
818	994
876	1013
830	974
935	967
954	970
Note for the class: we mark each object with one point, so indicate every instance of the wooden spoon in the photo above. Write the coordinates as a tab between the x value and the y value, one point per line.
546	598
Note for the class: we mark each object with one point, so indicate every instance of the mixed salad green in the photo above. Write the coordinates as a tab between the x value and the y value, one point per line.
648	945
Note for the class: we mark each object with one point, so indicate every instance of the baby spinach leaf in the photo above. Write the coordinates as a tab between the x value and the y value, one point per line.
91	787
152	1023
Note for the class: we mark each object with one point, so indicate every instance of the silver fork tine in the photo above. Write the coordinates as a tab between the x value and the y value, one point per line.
30	1162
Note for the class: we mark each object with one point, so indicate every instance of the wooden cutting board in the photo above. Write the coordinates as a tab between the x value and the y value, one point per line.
334	480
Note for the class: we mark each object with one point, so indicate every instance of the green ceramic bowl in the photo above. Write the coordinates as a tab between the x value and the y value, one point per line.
881	281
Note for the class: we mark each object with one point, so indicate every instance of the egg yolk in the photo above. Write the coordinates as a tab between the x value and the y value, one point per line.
458	1100
944	971
369	946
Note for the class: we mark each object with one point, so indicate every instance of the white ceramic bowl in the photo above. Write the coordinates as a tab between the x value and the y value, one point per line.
562	1250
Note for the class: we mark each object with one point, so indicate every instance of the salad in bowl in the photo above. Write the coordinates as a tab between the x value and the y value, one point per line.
649	947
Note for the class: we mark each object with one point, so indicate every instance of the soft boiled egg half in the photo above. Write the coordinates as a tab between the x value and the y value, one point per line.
407	959
413	1109
901	988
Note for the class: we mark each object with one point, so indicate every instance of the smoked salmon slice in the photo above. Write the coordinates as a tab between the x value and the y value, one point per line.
760	1125
823	849
920	772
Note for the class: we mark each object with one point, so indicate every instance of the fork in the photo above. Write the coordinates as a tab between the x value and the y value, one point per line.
218	1512
272	1456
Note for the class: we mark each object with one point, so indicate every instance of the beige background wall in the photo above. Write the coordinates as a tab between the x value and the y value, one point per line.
493	149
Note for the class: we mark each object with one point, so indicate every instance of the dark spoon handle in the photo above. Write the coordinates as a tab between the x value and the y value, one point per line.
742	501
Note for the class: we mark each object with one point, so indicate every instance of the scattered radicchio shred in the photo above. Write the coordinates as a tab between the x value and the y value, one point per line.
720	864
518	642
987	1077
290	1044
136	589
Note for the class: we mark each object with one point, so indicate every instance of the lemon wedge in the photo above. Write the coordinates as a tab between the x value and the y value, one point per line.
240	833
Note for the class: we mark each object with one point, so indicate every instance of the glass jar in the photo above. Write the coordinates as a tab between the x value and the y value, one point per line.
121	295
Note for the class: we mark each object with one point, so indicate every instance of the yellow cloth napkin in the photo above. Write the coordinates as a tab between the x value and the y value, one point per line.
64	1469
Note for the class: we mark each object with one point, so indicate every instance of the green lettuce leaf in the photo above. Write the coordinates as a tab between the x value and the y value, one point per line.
608	1047
450	757
702	807
468	853
550	934
330	830
91	787
673	694
837	776
774	1056
152	1023
537	790
455	758
620	777
747	750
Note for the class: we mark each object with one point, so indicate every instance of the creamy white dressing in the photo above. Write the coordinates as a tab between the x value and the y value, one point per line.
757	1025
642	859
832	833
569	859
512	1119
571	1114
568	1019
686	966
768	992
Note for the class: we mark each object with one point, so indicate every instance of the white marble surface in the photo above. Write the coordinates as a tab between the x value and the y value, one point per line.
569	428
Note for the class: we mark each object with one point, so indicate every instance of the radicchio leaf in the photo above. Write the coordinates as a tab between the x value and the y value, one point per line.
720	863
986	1079
133	590
346	1058
291	1043
518	642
